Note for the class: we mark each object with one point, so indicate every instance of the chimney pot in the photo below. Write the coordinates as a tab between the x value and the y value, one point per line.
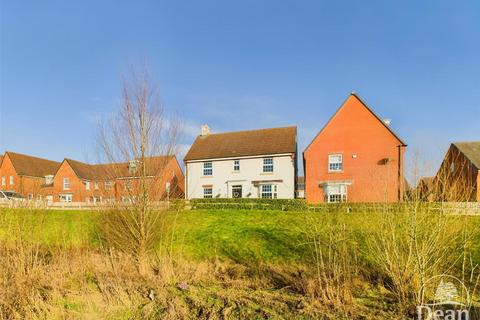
205	130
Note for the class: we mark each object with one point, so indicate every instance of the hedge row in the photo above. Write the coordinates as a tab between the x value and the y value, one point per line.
301	205
289	205
250	204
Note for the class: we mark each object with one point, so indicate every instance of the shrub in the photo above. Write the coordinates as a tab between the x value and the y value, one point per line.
250	204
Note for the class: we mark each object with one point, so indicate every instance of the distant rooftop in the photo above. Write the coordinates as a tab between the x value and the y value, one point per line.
471	150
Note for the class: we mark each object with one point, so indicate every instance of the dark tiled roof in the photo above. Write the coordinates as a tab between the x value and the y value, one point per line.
471	150
244	143
154	166
32	166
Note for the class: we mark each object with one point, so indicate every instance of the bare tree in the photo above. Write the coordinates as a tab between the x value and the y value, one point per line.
137	144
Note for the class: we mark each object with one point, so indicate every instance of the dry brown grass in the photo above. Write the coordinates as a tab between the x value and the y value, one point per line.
368	271
57	283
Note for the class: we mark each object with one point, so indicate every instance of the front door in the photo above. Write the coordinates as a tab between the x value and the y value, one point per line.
237	191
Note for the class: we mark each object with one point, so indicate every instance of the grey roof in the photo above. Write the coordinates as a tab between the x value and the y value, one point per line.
471	150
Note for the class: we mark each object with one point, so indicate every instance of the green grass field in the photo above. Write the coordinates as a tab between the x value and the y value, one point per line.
271	236
241	235
264	259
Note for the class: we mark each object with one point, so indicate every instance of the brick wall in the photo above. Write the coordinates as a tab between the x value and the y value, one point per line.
371	157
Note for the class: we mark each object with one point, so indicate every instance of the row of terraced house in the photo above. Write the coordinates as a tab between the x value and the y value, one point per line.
74	181
355	157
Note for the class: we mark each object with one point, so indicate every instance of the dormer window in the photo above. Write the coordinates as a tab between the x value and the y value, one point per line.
48	179
132	166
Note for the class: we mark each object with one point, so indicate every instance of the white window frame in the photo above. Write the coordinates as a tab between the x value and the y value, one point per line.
268	165
48	179
208	192
133	166
236	165
87	185
108	185
12	181
333	164
95	185
208	168
4	181
66	198
336	193
268	191
66	183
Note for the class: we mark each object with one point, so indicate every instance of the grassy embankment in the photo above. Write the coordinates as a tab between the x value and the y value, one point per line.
237	264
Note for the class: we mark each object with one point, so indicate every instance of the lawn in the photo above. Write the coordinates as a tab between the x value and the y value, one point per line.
227	264
51	227
237	235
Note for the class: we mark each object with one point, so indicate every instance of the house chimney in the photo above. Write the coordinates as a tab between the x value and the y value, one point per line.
205	131
387	122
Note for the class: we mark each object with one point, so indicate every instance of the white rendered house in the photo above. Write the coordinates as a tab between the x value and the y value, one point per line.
244	164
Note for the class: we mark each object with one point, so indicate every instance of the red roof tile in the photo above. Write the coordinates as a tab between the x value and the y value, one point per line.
244	143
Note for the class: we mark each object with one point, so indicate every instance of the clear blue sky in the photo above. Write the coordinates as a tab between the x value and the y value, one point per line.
240	65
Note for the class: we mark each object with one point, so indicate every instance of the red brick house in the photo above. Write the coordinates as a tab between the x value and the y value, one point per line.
356	157
76	181
424	189
29	176
458	178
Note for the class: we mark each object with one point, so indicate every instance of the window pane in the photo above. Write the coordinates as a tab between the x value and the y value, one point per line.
207	169
336	193
267	164
207	192
335	162
267	191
